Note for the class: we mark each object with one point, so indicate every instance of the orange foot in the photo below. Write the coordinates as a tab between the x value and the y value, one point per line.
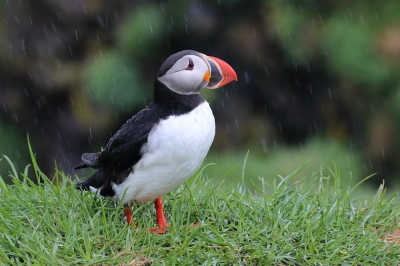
162	223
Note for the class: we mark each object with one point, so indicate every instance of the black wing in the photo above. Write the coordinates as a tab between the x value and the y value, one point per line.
123	149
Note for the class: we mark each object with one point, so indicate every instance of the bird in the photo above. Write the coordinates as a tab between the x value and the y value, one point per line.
165	143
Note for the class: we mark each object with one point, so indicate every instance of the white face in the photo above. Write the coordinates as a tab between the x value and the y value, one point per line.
188	75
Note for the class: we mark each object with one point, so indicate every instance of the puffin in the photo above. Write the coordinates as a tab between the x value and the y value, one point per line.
165	143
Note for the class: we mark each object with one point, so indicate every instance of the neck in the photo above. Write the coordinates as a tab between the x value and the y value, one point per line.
179	103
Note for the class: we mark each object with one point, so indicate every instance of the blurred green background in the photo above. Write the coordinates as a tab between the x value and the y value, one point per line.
318	80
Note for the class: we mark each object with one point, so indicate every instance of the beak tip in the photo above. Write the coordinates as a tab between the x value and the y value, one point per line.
225	73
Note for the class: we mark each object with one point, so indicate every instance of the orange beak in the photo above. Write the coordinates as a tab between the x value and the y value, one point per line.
221	73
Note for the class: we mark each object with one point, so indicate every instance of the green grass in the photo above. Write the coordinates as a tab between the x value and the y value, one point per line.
317	152
284	223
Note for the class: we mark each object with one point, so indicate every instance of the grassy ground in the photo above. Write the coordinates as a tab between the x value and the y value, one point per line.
285	223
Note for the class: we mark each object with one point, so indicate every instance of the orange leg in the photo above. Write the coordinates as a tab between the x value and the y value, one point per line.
162	223
128	213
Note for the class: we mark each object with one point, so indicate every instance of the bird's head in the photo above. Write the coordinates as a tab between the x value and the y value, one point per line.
187	72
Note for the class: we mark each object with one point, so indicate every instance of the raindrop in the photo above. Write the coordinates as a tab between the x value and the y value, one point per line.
72	102
301	8
383	152
330	95
69	145
227	127
301	147
236	123
98	38
351	145
280	127
70	50
313	23
361	18
84	10
315	125
223	104
310	89
26	92
10	48
14	115
264	145
266	70
185	17
275	145
376	16
246	77
187	31
162	8
80	107
151	28
290	38
226	92
53	26
350	13
5	108
278	28
16	19
59	135
294	64
90	132
254	33
6	20
76	35
116	117
172	21
354	125
370	163
101	22
320	18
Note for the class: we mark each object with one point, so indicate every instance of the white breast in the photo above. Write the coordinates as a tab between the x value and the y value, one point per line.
175	149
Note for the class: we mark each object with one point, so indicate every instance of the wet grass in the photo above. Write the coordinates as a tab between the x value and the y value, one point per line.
285	222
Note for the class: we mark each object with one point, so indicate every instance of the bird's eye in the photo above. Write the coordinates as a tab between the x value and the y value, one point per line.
190	66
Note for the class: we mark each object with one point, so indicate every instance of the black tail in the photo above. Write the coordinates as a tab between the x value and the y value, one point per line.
89	160
96	180
80	166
